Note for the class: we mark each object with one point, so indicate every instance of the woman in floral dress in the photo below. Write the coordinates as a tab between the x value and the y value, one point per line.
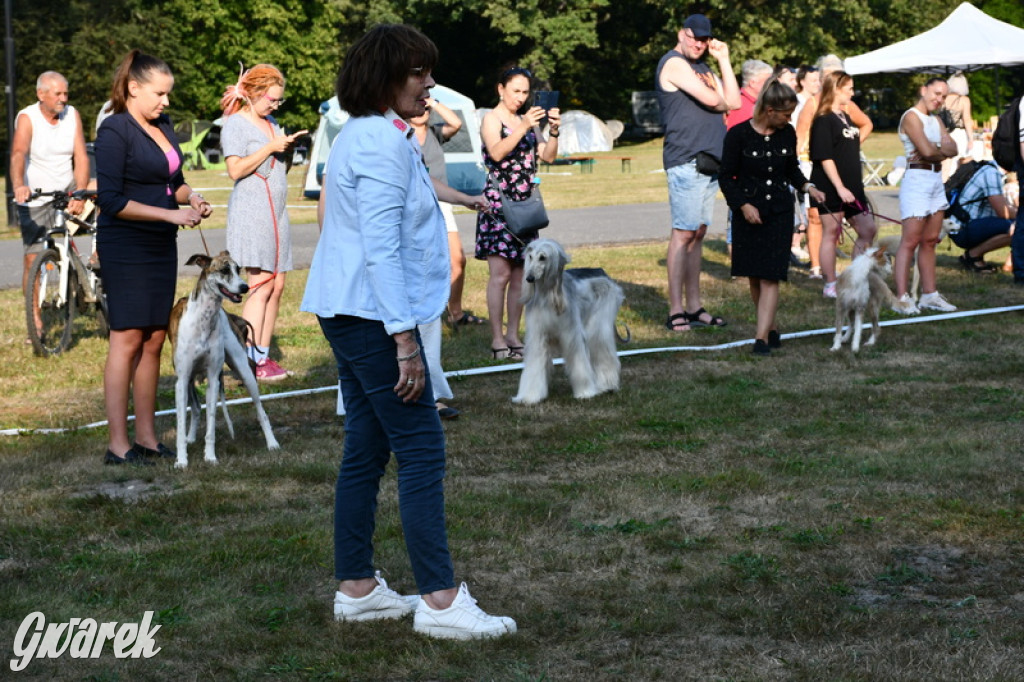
513	143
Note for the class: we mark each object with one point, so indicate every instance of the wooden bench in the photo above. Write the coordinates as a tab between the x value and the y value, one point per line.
586	163
627	162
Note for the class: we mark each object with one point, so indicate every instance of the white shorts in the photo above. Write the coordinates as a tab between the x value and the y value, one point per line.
921	194
449	216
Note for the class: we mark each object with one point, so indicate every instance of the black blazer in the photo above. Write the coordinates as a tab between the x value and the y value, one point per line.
131	167
758	171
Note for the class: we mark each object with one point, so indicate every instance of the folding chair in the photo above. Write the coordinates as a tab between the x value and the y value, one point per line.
872	169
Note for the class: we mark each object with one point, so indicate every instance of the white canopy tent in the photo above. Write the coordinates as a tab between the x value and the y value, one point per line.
462	153
583	133
968	39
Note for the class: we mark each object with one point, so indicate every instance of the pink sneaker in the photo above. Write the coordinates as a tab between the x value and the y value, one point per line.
268	370
279	368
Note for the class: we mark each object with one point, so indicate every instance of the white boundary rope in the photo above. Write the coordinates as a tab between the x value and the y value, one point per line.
511	367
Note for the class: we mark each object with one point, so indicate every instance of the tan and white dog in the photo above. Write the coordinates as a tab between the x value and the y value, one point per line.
203	339
861	290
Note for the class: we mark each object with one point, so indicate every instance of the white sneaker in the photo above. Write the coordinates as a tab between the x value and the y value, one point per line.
905	305
801	253
830	290
462	620
383	602
815	273
935	301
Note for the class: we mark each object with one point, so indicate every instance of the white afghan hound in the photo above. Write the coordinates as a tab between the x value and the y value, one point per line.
572	312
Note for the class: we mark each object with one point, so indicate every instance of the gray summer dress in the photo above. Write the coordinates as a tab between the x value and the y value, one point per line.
258	232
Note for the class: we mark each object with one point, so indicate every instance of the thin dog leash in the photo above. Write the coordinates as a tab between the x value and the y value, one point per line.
867	209
277	234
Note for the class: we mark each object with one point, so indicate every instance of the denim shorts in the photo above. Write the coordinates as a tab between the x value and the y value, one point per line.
35	222
921	194
691	196
981	230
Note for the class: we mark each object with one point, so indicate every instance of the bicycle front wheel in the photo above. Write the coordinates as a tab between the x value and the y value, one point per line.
49	311
102	315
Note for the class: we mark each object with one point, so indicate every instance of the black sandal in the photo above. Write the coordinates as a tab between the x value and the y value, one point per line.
695	321
678	323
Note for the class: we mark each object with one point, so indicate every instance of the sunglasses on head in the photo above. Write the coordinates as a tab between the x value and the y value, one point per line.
516	71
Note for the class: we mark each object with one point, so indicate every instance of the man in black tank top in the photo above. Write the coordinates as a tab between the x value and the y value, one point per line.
693	103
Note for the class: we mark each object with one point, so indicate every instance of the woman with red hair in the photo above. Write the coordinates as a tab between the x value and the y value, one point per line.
258	232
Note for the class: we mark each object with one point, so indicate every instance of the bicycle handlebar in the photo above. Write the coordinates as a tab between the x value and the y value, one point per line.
61	199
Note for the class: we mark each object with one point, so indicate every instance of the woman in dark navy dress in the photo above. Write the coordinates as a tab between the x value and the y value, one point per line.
759	163
141	193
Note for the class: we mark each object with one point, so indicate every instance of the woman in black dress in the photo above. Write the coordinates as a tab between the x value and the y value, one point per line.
141	190
835	151
759	162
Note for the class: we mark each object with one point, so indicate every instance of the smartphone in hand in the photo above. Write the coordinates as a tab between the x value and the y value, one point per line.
545	99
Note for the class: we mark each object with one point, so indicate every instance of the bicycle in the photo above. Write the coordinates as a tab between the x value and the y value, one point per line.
60	282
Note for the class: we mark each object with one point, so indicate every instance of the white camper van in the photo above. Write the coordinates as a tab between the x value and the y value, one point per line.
462	153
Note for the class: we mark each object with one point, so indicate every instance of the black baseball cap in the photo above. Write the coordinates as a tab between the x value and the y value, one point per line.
699	24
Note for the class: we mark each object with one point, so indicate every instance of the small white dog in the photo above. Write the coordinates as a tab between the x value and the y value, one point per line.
203	340
862	290
572	312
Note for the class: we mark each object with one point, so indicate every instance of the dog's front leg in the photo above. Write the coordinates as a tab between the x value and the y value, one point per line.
533	382
237	361
194	410
212	393
181	388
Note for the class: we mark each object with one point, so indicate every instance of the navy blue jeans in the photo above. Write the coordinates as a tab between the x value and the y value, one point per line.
1017	242
981	230
378	423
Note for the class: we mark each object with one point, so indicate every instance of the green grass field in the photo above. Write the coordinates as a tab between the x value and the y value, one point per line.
806	516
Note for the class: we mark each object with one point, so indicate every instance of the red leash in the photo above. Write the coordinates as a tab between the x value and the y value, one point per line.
277	234
867	209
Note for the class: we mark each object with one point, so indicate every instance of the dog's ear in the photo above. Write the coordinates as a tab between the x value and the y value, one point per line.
558	295
200	259
881	257
526	292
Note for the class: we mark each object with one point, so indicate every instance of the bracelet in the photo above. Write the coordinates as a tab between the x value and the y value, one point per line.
410	356
807	186
202	199
554	134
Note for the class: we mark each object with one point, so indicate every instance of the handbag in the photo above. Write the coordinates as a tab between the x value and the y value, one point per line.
524	217
707	164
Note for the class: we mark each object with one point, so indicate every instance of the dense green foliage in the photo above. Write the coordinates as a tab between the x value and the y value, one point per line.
595	51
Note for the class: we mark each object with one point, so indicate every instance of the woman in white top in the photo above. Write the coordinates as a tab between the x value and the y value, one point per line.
922	198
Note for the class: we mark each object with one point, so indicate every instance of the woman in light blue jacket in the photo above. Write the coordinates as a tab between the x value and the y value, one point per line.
380	269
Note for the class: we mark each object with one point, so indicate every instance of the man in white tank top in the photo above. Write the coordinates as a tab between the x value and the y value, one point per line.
48	153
